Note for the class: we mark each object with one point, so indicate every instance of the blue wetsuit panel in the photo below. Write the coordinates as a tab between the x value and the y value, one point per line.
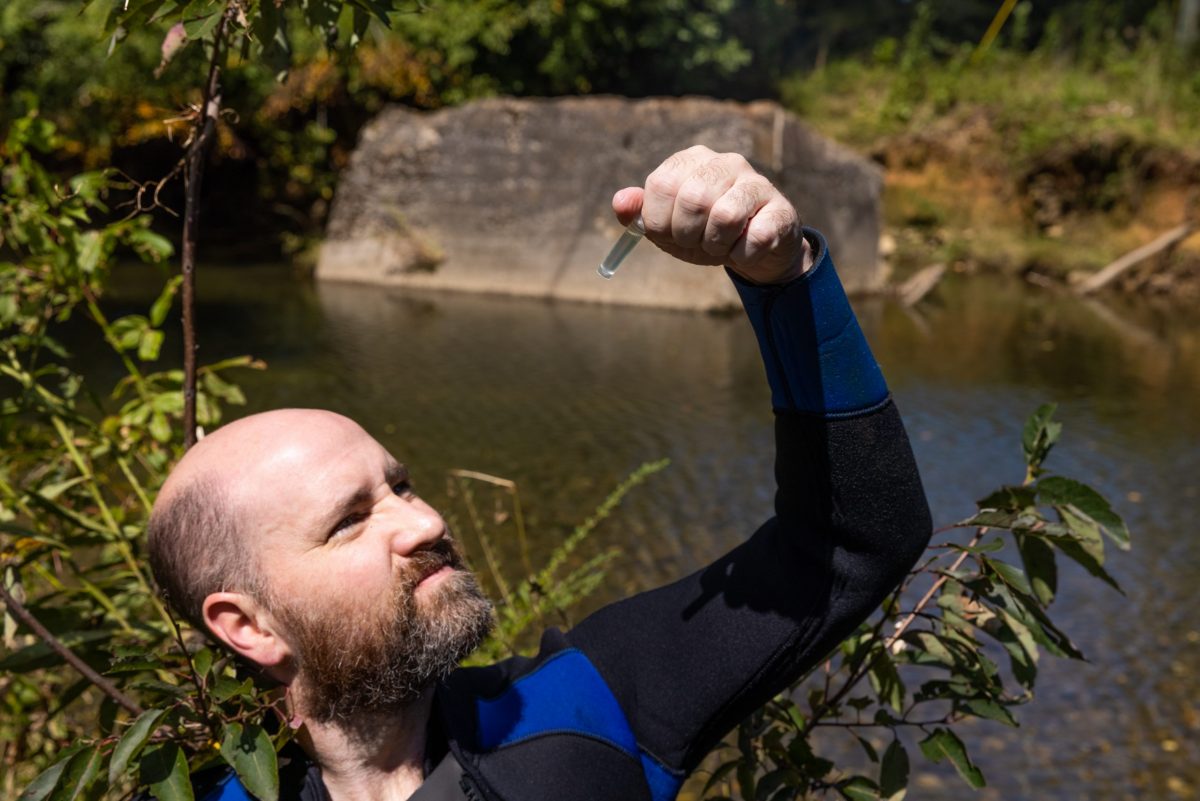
230	789
566	695
816	356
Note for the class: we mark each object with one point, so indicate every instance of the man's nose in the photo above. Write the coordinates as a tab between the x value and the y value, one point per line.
416	525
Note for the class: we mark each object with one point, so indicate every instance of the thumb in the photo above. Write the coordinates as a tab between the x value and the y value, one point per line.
627	204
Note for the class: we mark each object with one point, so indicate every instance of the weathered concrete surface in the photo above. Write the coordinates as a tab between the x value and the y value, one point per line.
512	196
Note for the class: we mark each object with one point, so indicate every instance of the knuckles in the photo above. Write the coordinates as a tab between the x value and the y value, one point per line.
727	214
724	191
693	199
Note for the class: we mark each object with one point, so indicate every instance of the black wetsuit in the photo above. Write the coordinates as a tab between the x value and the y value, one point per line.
624	705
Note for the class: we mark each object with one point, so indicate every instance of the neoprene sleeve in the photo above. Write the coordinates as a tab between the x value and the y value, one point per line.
689	660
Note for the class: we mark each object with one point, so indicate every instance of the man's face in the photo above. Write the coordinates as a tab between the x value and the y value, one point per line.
353	661
370	594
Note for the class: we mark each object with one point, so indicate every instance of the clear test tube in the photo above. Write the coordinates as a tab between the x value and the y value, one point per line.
628	241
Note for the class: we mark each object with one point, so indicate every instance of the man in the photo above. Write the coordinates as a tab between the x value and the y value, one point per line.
296	540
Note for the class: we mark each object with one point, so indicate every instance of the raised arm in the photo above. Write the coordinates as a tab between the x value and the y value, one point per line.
686	662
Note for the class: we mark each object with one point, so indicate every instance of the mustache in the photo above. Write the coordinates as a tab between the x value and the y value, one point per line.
431	559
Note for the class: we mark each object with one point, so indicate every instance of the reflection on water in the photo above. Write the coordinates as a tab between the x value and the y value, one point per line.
567	399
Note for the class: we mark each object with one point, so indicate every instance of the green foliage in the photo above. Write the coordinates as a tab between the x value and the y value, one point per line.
551	47
1089	73
305	76
77	474
542	597
923	667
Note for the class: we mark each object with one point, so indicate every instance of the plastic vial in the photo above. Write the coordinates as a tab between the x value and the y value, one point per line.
628	241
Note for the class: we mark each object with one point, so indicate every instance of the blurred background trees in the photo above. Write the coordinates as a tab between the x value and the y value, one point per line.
281	154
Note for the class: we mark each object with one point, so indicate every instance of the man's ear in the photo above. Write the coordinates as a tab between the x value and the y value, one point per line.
246	628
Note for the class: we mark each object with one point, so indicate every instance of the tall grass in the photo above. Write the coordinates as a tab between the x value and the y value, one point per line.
1097	80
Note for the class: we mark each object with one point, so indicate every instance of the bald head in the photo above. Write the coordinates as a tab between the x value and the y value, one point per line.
204	529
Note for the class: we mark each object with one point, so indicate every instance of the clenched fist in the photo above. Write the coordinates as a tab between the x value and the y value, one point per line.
713	208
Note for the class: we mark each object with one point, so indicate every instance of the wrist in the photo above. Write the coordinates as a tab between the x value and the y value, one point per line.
801	263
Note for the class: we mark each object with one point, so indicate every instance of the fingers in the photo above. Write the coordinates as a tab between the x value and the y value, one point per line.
662	187
627	203
714	208
706	184
732	212
770	243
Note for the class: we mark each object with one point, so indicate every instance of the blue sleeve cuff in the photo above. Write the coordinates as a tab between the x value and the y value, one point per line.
816	356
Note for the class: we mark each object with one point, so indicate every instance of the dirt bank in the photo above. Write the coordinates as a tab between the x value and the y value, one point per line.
952	196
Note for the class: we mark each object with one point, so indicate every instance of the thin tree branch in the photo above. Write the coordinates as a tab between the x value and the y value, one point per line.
200	685
901	627
869	724
197	155
18	610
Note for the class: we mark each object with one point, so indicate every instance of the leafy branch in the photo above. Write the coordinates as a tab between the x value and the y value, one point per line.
15	608
978	606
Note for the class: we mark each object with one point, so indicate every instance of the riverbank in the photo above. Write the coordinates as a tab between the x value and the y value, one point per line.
1023	163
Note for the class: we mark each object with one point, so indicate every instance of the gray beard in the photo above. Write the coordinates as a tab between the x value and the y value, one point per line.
351	666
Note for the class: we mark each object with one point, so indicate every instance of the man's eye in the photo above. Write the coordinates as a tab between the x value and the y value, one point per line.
347	523
404	487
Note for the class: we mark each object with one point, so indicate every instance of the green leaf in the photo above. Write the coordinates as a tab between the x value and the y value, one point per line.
108	715
771	782
1009	498
51	491
202	661
990	709
90	251
1010	575
858	788
1022	649
893	773
47	780
173	691
1024	608
224	688
134	664
79	775
222	389
886	682
160	427
930	648
150	344
150	246
41	655
1040	567
944	744
88	186
1039	436
998	518
132	741
1059	492
867	748
1079	540
197	29
162	305
128	330
164	770
248	750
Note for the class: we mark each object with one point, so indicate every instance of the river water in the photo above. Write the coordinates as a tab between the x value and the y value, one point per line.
567	399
